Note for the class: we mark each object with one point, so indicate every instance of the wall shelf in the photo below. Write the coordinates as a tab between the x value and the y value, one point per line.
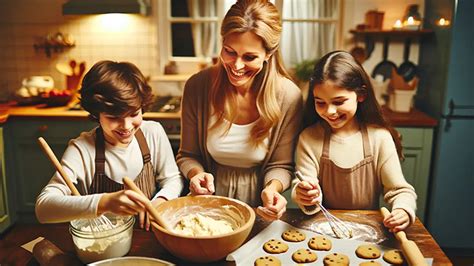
369	36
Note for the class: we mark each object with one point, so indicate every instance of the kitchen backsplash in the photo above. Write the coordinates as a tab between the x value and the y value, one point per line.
129	38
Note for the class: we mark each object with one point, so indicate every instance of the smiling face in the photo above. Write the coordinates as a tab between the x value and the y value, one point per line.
119	130
243	56
337	106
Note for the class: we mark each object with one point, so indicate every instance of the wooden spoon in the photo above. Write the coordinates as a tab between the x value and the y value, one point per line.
149	207
44	145
410	249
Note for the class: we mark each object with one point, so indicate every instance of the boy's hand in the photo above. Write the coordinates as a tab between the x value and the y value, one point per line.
144	217
307	193
202	184
398	220
123	202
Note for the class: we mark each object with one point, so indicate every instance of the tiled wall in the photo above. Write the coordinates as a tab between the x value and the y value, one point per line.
132	38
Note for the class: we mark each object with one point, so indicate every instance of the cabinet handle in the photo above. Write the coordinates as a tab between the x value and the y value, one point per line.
43	128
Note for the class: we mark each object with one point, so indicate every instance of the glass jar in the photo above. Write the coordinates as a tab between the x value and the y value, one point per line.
93	243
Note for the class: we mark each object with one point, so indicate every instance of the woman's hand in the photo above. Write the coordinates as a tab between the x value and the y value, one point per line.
274	204
398	220
202	184
144	217
123	202
307	193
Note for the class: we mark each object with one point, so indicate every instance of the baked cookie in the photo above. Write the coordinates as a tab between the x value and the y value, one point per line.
267	261
274	246
368	252
336	259
394	256
370	263
304	256
320	243
292	235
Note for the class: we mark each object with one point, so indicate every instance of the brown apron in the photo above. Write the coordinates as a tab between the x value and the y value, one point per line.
357	187
102	183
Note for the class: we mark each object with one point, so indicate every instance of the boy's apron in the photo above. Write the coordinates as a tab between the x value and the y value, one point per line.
102	183
356	187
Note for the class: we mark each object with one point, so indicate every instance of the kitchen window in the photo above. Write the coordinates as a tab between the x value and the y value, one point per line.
189	30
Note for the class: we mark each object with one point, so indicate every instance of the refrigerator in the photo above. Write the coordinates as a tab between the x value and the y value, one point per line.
446	92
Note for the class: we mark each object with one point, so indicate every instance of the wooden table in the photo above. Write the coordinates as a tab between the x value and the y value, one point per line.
145	244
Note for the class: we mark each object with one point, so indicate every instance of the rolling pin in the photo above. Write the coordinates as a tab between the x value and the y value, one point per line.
48	254
409	248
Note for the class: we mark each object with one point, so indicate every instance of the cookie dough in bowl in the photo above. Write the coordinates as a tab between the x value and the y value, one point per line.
205	228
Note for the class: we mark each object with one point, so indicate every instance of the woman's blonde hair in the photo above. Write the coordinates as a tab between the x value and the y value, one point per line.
261	18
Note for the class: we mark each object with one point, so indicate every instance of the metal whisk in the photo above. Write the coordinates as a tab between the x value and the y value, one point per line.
99	224
338	227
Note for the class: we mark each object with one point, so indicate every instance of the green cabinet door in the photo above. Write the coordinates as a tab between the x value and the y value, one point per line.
5	217
417	144
27	165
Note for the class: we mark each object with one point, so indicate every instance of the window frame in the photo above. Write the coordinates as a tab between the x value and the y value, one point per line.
165	21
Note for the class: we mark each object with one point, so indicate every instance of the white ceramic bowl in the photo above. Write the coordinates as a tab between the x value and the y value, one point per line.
95	245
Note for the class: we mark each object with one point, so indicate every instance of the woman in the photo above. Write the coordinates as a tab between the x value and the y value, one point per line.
241	117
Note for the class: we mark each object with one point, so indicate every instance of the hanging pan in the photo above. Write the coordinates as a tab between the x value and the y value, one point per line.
358	52
407	69
384	68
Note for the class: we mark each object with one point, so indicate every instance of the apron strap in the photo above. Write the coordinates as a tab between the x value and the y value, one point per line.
143	146
365	141
99	151
327	140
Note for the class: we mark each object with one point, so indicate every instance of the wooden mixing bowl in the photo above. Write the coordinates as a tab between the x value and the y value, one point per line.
203	248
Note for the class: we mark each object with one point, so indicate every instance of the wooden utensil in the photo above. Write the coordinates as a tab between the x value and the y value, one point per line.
101	223
149	207
409	248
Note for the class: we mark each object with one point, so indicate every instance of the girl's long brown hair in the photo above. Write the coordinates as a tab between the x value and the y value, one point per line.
262	18
342	69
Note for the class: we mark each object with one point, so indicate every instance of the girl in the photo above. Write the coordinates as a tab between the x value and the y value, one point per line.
115	95
241	117
350	154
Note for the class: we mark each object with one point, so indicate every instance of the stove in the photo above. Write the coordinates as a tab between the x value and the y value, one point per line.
166	104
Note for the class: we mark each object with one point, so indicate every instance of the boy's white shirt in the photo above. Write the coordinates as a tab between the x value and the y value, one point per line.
55	203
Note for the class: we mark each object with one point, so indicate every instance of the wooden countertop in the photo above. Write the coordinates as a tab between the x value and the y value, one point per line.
62	112
145	244
415	118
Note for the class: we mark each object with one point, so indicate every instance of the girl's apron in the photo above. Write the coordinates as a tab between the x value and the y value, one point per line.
102	183
356	187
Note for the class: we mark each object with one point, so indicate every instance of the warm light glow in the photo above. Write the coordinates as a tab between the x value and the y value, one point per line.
114	22
443	22
398	24
411	21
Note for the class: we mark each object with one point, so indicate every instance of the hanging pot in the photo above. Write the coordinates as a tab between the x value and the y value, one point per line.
407	69
358	52
384	68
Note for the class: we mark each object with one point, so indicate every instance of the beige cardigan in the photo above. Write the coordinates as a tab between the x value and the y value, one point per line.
278	163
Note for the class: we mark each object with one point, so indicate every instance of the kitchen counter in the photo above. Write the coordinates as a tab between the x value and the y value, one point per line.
62	112
415	118
145	244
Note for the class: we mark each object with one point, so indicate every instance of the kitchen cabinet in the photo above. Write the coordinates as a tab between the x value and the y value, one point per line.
5	217
27	166
417	144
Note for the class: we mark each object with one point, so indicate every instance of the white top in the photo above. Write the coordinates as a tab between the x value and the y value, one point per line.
234	148
54	204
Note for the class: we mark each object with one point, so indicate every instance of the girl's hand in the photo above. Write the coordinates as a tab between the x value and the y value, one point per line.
202	184
144	217
123	202
307	193
274	204
398	220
